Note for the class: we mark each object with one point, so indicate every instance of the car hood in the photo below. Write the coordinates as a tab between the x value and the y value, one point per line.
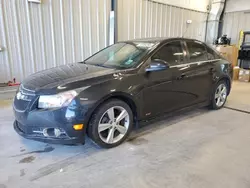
64	74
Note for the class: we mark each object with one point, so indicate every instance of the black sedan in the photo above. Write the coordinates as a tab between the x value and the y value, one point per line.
105	96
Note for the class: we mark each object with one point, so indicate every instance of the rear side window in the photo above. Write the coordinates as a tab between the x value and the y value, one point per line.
172	53
212	54
197	51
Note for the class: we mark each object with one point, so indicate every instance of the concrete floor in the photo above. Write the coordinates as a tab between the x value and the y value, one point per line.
200	148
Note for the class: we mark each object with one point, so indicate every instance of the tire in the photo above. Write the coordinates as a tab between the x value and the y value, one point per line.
220	93
111	124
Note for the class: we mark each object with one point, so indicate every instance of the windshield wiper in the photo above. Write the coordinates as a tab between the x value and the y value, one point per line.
101	65
83	62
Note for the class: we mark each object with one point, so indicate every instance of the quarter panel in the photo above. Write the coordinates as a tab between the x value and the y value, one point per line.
223	70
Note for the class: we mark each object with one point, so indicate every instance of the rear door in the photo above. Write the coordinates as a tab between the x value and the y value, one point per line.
185	82
202	68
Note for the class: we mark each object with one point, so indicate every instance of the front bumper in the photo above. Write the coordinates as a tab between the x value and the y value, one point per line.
30	122
79	139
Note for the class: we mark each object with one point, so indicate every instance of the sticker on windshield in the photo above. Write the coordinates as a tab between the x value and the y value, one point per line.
129	62
145	45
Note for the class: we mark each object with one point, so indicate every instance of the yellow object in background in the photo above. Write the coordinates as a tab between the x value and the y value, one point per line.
241	38
236	71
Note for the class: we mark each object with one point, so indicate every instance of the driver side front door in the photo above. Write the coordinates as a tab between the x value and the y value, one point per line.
159	95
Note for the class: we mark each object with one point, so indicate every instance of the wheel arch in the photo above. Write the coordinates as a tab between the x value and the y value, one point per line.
224	78
228	82
120	96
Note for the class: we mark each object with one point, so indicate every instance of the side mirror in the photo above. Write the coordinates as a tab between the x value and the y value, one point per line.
157	65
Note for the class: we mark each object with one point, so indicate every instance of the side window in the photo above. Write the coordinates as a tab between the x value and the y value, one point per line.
172	53
197	51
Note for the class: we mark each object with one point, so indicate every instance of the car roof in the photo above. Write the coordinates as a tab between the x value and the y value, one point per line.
160	39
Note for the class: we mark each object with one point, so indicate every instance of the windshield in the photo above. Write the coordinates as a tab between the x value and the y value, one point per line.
121	55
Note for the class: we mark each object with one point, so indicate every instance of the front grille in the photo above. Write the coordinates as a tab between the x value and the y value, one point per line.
22	128
38	131
29	130
23	98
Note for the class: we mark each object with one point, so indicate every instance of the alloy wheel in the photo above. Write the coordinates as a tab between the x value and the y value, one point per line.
113	125
220	95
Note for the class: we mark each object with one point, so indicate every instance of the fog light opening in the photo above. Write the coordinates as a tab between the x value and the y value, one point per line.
57	132
45	132
53	132
48	132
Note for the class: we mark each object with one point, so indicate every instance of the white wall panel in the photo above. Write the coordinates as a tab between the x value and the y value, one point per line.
236	18
233	23
55	32
200	5
237	5
144	18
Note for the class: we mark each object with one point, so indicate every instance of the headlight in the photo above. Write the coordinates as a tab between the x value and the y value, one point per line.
56	101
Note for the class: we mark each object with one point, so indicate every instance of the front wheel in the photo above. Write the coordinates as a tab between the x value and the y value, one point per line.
220	95
111	124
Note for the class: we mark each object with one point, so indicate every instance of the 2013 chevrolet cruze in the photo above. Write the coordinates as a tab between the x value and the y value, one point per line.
123	84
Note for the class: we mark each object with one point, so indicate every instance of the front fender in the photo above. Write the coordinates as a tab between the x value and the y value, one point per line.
92	98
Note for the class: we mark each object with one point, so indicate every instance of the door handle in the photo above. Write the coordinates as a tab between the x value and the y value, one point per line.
182	76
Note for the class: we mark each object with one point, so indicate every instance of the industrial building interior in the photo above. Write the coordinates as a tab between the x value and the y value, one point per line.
197	147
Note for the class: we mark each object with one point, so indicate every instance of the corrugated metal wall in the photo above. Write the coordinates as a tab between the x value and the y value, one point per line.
233	23
200	5
40	36
144	18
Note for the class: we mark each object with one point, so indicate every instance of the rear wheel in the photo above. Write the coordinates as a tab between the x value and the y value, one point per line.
220	95
111	124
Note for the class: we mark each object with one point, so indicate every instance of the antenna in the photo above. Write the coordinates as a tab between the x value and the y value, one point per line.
188	22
